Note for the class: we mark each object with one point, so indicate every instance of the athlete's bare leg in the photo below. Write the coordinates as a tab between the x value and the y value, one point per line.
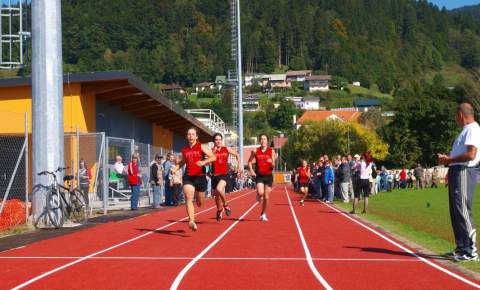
189	191
266	197
260	191
199	197
220	191
304	190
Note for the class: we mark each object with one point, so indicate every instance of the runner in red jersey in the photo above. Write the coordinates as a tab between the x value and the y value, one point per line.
219	176
264	156
303	177
194	179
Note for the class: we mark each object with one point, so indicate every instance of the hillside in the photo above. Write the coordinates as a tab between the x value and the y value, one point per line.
473	10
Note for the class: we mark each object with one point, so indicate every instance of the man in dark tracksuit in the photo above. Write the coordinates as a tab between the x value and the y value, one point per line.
463	161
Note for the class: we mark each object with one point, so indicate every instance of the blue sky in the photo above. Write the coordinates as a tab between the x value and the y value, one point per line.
451	4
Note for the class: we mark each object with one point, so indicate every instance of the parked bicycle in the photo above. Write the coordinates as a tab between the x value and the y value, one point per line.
64	202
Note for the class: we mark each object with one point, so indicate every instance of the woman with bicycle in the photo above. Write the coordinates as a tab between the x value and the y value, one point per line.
134	180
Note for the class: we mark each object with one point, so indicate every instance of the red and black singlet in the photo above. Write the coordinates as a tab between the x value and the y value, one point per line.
303	174
263	166
192	155
220	166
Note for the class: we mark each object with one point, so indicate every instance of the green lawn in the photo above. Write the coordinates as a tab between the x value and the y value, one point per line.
419	216
373	91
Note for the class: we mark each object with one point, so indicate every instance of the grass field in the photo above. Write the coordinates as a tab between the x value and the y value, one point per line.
419	216
373	91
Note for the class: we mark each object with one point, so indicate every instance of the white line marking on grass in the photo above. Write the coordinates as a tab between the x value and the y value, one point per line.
113	247
184	271
438	267
305	247
214	259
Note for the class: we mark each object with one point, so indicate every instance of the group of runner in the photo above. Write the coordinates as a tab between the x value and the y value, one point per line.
197	155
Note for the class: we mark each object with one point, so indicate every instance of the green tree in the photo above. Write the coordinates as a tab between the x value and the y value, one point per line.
281	118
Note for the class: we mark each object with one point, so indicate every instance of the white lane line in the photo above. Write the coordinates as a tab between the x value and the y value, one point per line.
438	267
113	247
184	271
305	247
214	259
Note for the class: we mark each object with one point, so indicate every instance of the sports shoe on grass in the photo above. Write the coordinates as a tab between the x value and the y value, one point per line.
193	226
228	210
467	257
455	253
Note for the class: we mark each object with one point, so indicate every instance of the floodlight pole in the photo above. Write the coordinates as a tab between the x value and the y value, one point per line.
47	98
240	87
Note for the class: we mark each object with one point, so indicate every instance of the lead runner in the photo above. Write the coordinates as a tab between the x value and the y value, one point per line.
219	177
194	179
265	159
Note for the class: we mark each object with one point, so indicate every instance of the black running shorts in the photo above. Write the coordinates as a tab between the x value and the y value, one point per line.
216	180
265	179
199	182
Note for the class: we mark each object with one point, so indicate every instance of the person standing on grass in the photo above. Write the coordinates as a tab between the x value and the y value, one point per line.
365	169
403	178
264	157
419	174
135	181
463	162
304	180
329	179
434	178
345	178
219	174
195	157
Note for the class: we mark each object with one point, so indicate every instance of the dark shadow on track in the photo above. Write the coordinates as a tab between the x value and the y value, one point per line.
399	253
178	233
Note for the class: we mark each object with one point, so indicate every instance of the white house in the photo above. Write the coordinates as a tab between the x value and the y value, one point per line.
305	103
317	83
279	81
356	84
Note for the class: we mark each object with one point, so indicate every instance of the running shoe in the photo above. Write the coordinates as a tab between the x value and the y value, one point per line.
467	257
455	253
264	218
193	226
302	202
219	215
228	210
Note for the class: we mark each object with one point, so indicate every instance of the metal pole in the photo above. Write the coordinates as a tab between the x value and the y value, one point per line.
240	87
77	166
27	179
47	97
105	173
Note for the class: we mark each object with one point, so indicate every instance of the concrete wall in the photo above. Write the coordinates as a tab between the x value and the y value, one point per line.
117	123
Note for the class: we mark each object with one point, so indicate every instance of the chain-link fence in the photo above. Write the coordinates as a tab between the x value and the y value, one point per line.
14	199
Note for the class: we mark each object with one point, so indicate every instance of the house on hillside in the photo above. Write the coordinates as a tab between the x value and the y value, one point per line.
364	105
172	88
204	86
305	103
251	103
317	83
298	75
279	81
318	116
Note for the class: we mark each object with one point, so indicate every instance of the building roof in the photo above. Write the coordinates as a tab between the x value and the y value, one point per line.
294	73
311	99
279	142
319	78
170	87
367	103
131	94
278	77
204	84
318	116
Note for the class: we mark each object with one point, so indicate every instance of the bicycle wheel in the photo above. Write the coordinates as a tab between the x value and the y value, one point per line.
79	206
55	208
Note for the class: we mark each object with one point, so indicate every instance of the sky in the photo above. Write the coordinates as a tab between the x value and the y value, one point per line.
451	4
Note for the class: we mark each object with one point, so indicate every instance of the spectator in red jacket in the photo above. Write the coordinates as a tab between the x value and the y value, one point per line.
403	178
134	180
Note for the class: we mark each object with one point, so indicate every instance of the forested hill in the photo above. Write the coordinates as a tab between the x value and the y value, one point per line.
473	10
187	41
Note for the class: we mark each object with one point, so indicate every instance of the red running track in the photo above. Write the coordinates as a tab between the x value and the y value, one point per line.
310	247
